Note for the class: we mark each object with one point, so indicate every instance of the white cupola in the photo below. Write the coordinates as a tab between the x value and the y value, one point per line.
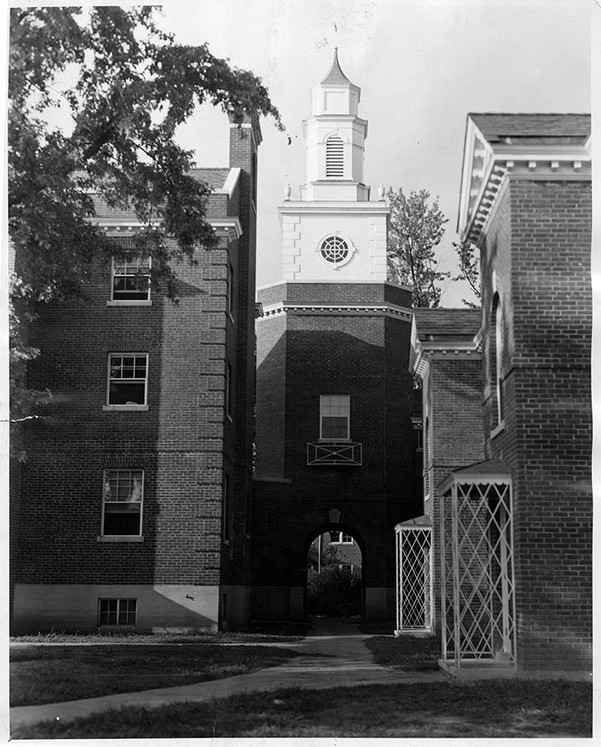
334	233
335	137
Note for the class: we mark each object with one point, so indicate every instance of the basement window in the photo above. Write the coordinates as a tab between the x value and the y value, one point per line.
120	612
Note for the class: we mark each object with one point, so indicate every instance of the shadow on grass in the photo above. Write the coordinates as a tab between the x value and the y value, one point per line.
493	709
406	652
51	674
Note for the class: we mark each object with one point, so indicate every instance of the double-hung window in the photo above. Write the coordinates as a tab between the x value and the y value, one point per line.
127	380
130	281
122	498
334	411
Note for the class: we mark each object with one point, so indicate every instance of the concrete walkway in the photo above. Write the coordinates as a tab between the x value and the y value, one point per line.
333	655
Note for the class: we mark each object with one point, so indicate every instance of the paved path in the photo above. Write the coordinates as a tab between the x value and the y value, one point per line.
333	655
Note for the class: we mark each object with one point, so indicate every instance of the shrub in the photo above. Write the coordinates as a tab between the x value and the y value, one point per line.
334	592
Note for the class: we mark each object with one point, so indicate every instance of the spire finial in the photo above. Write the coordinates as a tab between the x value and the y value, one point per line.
336	76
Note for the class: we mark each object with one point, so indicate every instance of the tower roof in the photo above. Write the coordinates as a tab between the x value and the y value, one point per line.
335	76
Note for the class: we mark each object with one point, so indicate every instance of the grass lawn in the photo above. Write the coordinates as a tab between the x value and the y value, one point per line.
493	709
50	674
409	653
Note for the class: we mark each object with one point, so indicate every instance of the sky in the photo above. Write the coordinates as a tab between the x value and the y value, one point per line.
422	65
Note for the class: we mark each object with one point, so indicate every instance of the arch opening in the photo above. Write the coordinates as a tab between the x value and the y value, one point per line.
334	581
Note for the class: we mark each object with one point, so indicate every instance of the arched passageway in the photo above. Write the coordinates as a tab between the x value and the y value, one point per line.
334	584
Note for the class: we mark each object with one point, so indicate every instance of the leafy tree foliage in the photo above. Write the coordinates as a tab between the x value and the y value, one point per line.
131	87
469	269
416	228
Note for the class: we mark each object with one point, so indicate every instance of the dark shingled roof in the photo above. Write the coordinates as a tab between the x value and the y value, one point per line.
214	178
447	322
335	76
531	128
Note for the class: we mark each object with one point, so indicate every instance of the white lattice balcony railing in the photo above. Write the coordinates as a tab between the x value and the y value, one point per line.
330	452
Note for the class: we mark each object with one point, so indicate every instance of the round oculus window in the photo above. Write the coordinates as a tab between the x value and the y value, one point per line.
335	250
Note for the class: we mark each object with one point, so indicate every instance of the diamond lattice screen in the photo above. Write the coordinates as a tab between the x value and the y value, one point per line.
414	587
477	587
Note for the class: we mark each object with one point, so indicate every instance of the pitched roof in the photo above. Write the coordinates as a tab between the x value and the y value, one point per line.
335	76
447	322
529	128
215	178
491	470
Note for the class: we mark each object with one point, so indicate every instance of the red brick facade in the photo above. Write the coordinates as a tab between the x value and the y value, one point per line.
547	435
526	204
354	345
186	440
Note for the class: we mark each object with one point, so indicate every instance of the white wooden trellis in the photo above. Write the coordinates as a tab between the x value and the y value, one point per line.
414	576
477	566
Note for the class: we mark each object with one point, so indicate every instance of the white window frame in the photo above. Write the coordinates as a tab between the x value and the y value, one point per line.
104	537
120	601
335	242
324	403
133	406
129	301
341	540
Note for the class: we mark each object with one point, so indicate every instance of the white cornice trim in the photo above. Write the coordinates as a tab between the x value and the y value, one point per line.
121	225
505	161
334	208
424	352
385	309
358	281
223	226
230	183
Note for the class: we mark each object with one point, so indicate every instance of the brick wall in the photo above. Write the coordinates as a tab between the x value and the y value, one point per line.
455	439
184	442
539	249
303	355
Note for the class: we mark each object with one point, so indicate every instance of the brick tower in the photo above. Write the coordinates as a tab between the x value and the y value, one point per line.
334	445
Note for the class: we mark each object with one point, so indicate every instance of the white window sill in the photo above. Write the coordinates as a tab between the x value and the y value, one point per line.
499	429
125	408
119	538
131	302
336	441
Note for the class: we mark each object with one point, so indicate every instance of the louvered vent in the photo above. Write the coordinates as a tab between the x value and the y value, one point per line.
334	157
